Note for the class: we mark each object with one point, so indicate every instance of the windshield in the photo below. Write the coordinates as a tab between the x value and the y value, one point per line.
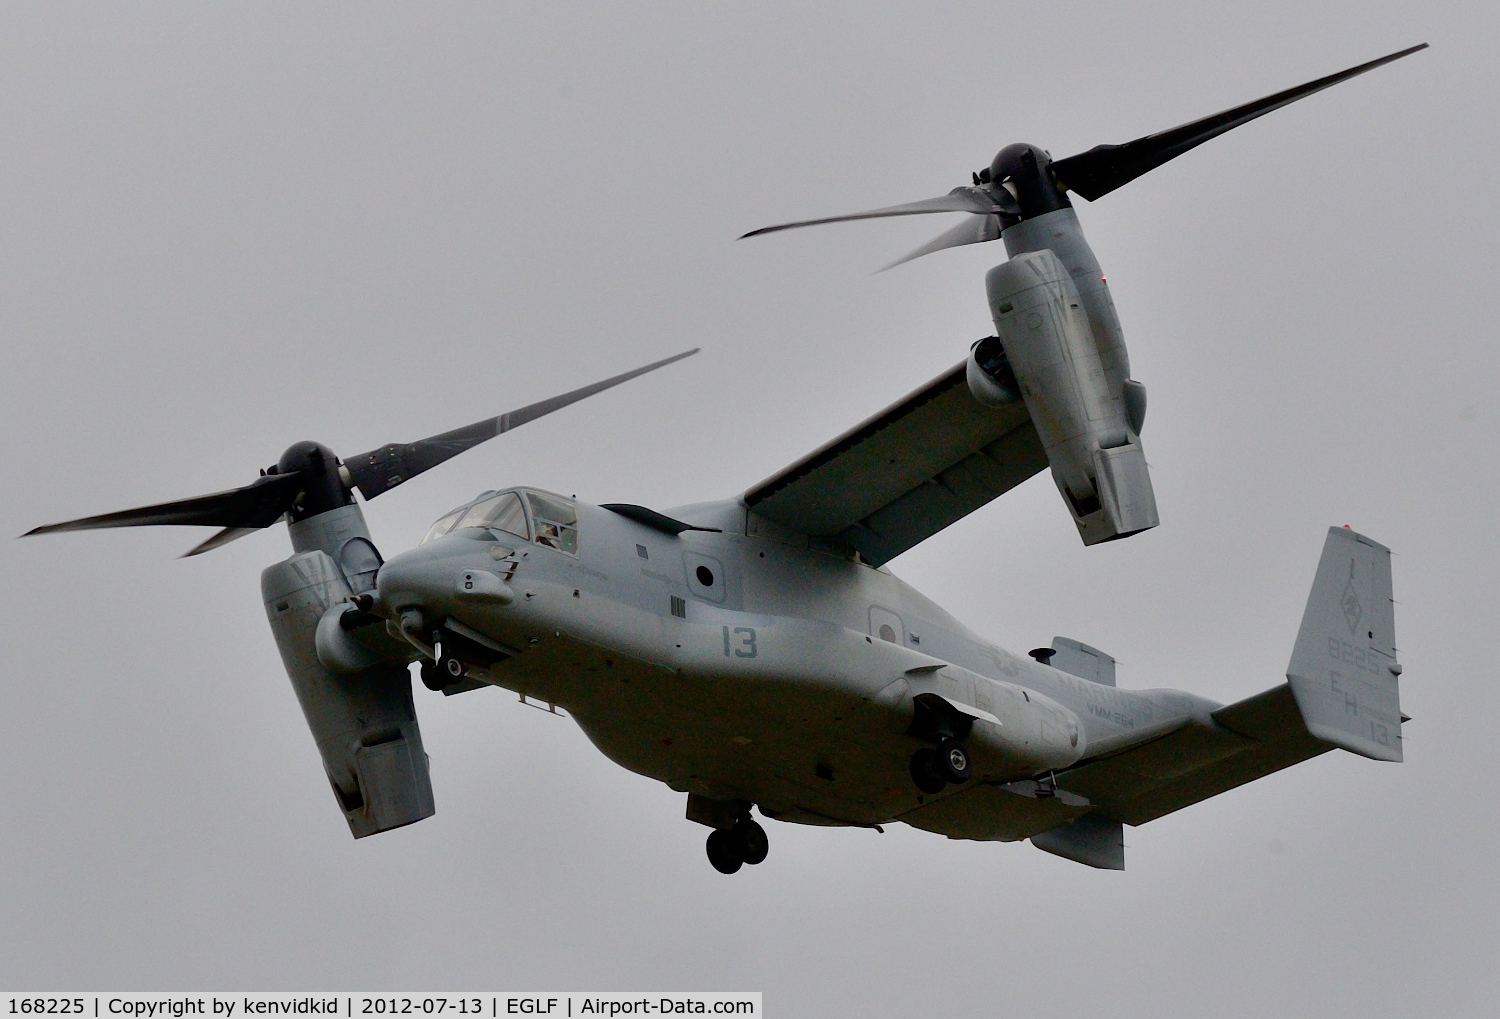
501	512
556	521
444	525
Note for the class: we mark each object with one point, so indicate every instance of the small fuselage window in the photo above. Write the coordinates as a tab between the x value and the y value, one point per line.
556	521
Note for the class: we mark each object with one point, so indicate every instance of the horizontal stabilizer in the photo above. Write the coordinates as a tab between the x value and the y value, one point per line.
1340	692
1343	669
1188	760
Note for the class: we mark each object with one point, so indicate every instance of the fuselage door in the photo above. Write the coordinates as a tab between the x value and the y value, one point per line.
886	625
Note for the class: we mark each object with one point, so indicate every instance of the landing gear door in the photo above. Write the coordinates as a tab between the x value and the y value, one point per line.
886	625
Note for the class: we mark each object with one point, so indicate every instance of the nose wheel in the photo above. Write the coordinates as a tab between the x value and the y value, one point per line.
731	848
434	678
445	669
437	676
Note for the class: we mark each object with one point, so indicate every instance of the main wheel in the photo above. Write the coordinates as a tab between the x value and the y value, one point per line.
753	842
725	851
953	758
927	771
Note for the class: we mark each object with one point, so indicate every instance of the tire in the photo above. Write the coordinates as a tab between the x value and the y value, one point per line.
754	845
434	678
927	771
954	760
724	851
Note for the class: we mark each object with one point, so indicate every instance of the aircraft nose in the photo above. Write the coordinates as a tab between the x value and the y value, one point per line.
408	580
417	580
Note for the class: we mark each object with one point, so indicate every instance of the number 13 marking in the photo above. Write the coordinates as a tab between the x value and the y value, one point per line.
743	644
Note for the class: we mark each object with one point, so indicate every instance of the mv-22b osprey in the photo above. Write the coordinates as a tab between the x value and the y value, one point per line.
757	652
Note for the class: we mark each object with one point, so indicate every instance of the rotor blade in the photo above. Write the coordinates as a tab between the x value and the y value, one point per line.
224	537
974	230
965	199
381	470
1097	172
249	508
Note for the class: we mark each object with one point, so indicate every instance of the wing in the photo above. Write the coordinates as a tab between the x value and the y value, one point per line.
906	473
1246	740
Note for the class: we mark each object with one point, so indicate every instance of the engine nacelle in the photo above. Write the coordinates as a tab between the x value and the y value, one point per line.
362	718
989	374
1079	409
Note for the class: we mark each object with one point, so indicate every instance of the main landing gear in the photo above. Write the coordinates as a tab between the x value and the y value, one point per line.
932	770
731	848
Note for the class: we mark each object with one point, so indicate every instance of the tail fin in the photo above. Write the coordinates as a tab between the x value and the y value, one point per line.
1343	669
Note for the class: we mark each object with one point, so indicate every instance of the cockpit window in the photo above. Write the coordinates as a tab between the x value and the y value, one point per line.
505	514
556	521
502	512
478	515
444	525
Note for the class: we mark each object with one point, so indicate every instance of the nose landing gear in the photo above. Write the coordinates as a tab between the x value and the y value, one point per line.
440	675
752	839
731	848
434	678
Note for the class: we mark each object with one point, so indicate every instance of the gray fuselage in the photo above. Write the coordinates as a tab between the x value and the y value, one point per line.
746	664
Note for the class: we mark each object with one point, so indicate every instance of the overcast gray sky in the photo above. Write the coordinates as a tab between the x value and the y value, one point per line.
224	229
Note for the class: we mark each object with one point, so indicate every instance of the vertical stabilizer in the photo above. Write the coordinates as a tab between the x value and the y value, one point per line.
1078	659
1343	669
